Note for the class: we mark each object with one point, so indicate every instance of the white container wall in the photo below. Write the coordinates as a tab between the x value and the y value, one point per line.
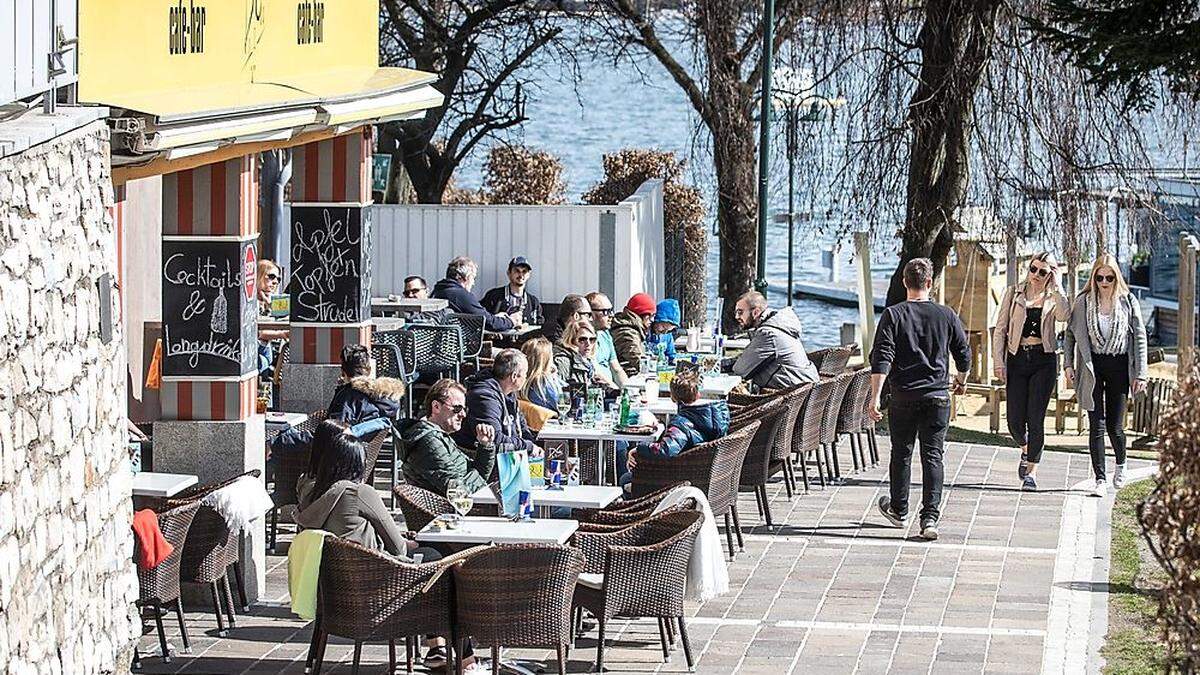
573	249
25	44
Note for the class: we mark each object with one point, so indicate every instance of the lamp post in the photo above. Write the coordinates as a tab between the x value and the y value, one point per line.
793	93
764	137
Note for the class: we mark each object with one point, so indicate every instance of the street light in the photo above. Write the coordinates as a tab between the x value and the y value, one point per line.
764	138
793	93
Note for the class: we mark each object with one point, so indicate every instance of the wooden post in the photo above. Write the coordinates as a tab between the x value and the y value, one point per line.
1187	301
866	290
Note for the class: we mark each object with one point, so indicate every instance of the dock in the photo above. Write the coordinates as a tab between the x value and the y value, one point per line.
841	293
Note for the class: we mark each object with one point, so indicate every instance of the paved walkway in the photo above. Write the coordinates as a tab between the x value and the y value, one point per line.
1015	584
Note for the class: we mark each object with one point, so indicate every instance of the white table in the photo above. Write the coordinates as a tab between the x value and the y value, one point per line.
555	431
570	496
514	333
149	484
488	529
711	386
706	343
402	305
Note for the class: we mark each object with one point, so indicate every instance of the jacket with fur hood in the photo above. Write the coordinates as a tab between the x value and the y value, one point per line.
359	400
775	357
629	340
487	404
354	512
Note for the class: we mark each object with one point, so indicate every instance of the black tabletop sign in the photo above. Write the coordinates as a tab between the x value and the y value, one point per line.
331	253
210	319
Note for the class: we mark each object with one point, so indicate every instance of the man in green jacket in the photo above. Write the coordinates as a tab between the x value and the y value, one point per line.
629	329
429	455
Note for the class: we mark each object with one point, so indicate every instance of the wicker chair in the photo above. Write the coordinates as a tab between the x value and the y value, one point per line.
420	506
781	449
211	548
756	469
621	512
471	326
389	362
371	452
287	472
831	361
640	571
806	435
367	595
158	587
829	420
518	596
852	419
438	349
633	519
713	467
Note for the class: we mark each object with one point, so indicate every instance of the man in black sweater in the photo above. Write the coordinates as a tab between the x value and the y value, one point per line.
913	346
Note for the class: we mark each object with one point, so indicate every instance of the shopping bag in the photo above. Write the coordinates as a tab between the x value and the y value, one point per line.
514	477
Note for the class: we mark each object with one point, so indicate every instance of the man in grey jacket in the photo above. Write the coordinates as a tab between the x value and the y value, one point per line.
775	357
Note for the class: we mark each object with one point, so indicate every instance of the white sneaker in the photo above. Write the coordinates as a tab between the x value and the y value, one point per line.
1119	477
1100	489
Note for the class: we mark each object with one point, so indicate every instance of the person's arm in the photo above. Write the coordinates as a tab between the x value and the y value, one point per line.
533	309
1000	334
882	353
757	354
1062	306
619	376
873	403
960	348
672	442
493	299
1139	356
630	351
1069	349
372	510
495	323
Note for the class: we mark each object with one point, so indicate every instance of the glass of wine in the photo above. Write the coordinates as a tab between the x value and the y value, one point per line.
564	408
454	493
462	503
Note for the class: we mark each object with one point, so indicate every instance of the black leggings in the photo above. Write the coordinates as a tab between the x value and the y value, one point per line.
1108	408
1030	375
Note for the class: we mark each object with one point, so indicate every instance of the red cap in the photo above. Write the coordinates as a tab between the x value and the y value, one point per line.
641	304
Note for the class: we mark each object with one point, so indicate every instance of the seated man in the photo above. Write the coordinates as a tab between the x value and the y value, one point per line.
630	328
775	357
456	289
364	403
514	297
492	400
415	288
695	423
572	308
429	455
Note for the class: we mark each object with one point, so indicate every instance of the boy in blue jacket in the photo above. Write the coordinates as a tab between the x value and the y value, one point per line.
667	316
692	425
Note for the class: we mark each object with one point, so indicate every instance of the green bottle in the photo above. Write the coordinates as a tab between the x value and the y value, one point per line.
623	420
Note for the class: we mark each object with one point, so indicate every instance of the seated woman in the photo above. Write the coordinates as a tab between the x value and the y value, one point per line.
543	385
695	423
322	439
365	403
575	357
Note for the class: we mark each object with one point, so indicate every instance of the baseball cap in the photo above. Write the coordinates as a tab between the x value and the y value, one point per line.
520	261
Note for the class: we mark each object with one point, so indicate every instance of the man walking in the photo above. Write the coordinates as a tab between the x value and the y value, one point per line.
913	345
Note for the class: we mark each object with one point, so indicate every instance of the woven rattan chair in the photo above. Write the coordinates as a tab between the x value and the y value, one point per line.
640	571
365	595
852	418
158	587
211	549
471	326
829	420
518	596
756	468
806	435
626	511
831	361
713	467
438	349
632	519
420	506
287	472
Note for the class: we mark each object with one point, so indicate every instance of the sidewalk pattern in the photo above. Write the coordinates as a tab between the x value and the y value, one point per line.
830	589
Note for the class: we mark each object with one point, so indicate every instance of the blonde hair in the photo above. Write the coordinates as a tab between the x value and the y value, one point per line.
540	355
574	329
1120	288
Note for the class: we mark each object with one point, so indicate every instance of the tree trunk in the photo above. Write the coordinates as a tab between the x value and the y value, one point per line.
955	44
734	157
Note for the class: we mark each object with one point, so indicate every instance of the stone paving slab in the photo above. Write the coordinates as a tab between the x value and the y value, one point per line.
828	589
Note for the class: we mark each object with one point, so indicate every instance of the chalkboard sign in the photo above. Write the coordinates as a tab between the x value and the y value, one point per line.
210	313
331	264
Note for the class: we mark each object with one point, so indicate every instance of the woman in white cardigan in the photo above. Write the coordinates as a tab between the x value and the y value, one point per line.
1106	361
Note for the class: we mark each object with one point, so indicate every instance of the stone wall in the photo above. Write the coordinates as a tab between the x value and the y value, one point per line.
66	581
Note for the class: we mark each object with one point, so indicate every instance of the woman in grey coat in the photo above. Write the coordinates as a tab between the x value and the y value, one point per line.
1106	361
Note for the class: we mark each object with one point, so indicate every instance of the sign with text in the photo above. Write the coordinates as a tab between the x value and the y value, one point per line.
331	263
210	327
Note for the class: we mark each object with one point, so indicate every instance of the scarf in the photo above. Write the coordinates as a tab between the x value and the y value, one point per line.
1118	338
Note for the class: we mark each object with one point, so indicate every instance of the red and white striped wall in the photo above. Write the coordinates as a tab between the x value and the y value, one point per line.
209	399
323	343
214	200
336	169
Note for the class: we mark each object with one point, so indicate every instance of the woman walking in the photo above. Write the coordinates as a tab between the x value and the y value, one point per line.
1106	360
1025	347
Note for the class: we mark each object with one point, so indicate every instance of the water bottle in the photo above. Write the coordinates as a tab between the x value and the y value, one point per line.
623	415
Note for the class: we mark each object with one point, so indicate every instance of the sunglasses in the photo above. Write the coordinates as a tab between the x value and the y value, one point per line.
607	311
454	409
1040	271
410	292
585	340
1106	278
272	277
584	314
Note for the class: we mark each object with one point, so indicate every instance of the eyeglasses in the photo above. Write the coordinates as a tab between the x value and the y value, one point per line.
412	292
1106	278
585	339
1040	271
454	409
583	314
606	311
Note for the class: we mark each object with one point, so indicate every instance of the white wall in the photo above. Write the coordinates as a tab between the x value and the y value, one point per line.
25	44
564	244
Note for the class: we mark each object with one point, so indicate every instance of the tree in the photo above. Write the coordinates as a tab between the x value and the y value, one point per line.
726	38
515	174
1125	46
478	51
